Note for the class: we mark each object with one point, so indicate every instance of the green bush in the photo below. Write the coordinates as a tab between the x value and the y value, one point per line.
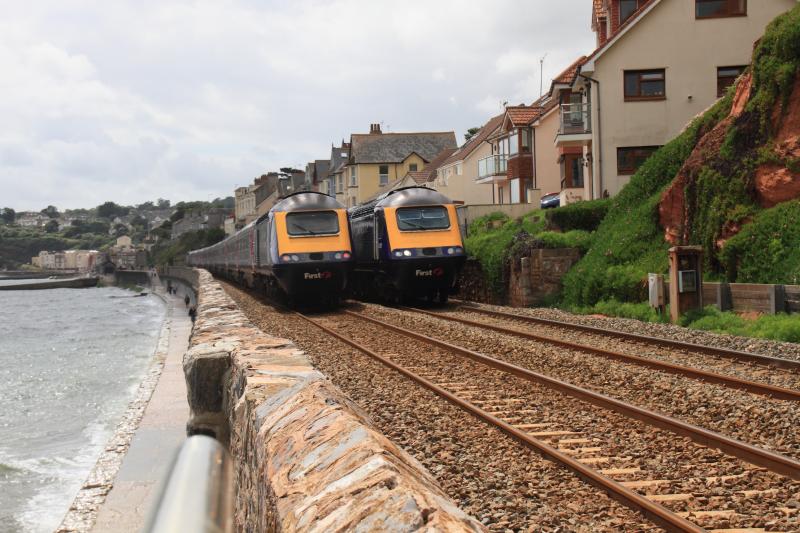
572	239
493	238
585	216
490	244
767	250
629	242
639	311
781	327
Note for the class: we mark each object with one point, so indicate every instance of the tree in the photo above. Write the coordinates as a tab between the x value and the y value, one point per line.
97	227
51	211
471	133
139	220
8	215
110	210
290	170
146	206
120	230
163	204
51	226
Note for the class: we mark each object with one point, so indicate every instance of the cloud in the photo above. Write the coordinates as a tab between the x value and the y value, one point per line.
128	102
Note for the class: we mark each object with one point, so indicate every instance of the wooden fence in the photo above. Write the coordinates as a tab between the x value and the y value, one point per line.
750	297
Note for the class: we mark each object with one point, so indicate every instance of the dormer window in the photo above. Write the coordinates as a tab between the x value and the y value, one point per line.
626	9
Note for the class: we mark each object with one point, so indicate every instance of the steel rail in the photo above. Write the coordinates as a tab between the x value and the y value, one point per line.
775	462
777	362
652	510
712	377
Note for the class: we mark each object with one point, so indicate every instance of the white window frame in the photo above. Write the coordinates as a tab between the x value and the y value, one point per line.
353	177
383	179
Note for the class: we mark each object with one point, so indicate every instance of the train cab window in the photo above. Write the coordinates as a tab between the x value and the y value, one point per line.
422	218
308	223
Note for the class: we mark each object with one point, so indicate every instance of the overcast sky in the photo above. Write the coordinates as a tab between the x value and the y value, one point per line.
130	100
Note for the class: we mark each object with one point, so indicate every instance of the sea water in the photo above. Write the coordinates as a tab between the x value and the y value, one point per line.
70	361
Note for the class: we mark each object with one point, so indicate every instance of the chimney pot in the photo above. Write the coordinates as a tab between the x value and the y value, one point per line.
375	128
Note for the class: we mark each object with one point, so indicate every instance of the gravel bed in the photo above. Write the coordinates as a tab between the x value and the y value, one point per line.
742	369
506	486
786	350
748	417
616	441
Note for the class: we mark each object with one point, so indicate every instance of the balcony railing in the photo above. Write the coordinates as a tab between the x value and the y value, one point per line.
494	165
575	119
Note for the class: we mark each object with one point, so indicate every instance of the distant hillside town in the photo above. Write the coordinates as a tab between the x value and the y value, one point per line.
596	123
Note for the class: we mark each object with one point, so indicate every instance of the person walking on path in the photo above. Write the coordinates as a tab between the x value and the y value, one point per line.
186	300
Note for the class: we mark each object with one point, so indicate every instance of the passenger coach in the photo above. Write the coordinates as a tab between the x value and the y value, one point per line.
407	244
301	249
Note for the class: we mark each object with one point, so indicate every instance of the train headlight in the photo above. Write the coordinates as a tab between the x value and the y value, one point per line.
295	258
451	251
346	255
407	253
337	255
398	253
286	258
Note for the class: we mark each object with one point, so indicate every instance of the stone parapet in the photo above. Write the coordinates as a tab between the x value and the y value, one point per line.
306	458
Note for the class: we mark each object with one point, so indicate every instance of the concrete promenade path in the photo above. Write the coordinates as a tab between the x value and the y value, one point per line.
160	433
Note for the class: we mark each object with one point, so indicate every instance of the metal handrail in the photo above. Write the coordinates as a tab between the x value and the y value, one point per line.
197	495
492	165
575	118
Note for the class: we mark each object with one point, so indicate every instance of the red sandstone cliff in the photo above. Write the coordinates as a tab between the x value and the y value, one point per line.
773	183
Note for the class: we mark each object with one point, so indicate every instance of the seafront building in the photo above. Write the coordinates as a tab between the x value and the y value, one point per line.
76	260
657	64
376	158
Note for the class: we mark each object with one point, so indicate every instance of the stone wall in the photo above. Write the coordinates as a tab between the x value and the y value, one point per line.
472	285
306	458
535	279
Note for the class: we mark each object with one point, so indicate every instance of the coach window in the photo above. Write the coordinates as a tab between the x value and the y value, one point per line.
422	218
309	223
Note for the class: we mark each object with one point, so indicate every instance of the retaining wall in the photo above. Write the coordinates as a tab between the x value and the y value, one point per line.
305	458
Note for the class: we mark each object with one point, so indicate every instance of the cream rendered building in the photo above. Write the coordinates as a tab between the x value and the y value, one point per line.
658	64
377	159
457	176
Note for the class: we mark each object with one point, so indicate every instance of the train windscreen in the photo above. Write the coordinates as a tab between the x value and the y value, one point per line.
309	223
422	218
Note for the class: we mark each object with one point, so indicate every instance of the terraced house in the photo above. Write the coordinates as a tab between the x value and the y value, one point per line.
657	64
376	159
523	164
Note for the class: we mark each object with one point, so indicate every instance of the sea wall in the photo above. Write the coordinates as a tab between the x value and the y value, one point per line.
305	457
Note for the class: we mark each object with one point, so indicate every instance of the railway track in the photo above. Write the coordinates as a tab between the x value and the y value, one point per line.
735	370
683	484
638	339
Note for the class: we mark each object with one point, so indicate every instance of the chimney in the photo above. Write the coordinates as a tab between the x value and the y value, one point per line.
375	128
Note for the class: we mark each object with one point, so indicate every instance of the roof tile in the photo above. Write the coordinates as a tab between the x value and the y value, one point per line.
396	147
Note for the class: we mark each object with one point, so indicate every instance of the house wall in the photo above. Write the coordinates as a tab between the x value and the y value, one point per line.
462	187
548	174
690	51
368	176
